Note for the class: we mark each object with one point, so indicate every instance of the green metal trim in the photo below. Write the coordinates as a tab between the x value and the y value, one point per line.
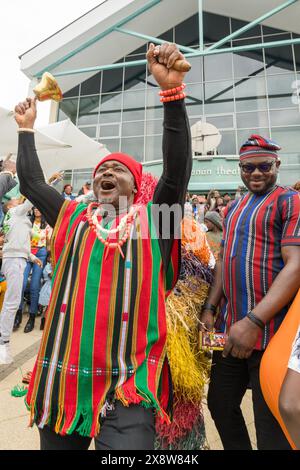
197	53
252	24
152	39
97	38
250	47
201	34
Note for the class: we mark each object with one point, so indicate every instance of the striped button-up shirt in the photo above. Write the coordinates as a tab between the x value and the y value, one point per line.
256	227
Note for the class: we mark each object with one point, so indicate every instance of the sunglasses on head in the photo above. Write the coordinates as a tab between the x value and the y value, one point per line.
264	167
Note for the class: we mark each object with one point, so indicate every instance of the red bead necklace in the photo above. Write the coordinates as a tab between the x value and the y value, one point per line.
124	225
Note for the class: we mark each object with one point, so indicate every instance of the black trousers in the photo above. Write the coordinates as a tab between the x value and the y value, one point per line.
228	384
124	428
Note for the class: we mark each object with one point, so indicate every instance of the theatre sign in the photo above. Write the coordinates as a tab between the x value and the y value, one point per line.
219	172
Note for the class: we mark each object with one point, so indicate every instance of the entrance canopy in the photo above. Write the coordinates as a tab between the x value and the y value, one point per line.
60	146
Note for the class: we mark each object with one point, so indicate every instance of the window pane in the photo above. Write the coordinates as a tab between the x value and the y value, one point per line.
110	110
135	77
112	145
133	146
248	63
194	100
250	94
80	178
245	66
215	27
88	110
72	93
154	106
89	131
217	67
154	127
279	59
68	109
132	128
153	148
297	55
167	36
92	85
111	130
280	90
112	80
288	138
285	117
220	122
289	175
134	106
254	119
195	74
218	97
227	145
187	32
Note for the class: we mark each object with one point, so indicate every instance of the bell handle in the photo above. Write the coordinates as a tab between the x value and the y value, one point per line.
182	65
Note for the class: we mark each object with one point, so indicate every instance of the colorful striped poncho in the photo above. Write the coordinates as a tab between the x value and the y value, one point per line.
105	331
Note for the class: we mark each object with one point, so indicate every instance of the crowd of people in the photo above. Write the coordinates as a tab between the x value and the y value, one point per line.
104	352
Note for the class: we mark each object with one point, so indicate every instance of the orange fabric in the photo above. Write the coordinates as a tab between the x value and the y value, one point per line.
275	360
3	287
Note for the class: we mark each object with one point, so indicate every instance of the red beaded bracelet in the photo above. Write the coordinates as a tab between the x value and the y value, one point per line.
167	99
172	91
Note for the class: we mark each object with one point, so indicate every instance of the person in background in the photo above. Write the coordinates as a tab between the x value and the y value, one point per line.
45	293
67	193
16	252
86	188
296	186
39	235
201	208
212	200
256	278
196	209
220	206
188	204
239	193
213	222
226	199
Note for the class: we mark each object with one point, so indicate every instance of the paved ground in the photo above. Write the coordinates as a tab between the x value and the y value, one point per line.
14	431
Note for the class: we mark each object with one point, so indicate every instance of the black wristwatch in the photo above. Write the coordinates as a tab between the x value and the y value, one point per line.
208	306
258	322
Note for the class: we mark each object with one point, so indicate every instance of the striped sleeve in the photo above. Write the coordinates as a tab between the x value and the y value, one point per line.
290	215
60	231
225	213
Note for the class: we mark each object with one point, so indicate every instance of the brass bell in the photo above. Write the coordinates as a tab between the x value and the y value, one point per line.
48	89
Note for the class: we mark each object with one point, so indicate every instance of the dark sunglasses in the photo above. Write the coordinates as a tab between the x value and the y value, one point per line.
262	167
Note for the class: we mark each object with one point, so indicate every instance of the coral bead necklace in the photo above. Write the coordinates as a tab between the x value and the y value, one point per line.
124	226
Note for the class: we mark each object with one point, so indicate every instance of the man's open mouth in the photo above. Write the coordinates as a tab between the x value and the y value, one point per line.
107	185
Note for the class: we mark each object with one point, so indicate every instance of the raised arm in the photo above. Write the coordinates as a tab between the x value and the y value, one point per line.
30	173
177	156
177	153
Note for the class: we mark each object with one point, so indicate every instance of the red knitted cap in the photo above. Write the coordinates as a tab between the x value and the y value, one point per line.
133	166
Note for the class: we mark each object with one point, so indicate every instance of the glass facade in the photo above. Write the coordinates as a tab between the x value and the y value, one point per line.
240	93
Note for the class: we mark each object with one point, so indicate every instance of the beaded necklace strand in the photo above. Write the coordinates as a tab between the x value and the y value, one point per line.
124	226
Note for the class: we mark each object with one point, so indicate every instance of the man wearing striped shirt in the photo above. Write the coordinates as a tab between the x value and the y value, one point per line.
256	278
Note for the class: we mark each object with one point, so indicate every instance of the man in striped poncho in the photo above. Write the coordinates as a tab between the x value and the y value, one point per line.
102	369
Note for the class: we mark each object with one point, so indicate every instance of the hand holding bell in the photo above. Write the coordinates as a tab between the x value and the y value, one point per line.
167	65
48	89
